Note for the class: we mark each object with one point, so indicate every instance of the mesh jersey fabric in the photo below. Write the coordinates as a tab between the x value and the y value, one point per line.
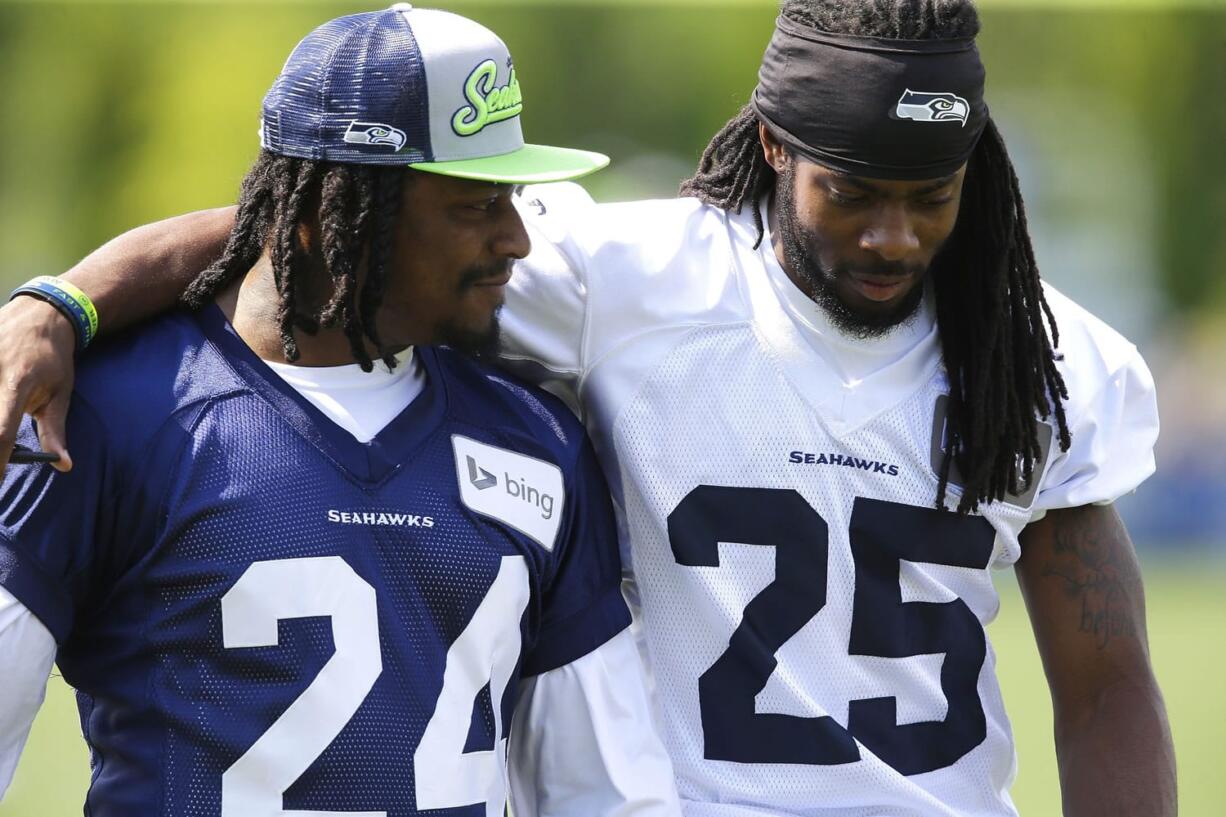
259	612
305	115
815	629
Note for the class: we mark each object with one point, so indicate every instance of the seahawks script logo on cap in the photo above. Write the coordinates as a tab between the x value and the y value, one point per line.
928	106
374	133
487	103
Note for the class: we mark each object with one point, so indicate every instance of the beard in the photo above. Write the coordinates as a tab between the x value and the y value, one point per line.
820	281
481	344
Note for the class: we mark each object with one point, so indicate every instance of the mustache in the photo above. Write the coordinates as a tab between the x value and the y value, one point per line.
476	274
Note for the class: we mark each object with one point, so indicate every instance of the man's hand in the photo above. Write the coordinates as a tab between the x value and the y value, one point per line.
36	370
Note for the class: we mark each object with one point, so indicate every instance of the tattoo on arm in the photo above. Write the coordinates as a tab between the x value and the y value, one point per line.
1099	570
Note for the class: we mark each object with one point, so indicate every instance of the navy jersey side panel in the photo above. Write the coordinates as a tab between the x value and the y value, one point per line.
49	522
583	605
67	535
76	538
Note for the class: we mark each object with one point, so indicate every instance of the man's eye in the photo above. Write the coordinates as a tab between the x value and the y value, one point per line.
839	197
939	201
485	205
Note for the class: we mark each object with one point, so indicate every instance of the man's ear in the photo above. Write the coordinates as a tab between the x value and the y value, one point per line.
774	151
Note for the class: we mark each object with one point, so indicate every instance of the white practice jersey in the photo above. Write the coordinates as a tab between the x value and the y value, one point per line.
813	625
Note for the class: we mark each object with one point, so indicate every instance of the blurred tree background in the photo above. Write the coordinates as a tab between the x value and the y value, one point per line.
115	114
120	113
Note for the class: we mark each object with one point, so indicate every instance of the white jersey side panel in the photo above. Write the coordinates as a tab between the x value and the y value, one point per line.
814	627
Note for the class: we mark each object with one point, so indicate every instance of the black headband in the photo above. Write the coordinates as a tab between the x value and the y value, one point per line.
871	106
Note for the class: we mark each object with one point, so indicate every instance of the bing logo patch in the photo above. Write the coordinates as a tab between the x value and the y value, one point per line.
522	492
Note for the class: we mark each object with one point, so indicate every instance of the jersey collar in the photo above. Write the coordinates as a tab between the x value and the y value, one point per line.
372	461
844	404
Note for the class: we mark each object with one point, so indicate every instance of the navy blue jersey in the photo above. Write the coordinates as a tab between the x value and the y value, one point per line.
261	613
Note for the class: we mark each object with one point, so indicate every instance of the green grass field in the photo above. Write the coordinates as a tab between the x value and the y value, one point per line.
1187	615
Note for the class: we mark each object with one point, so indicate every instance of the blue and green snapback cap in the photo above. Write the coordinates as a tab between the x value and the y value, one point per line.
408	86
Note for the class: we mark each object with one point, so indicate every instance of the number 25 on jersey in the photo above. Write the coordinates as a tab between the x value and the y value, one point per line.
882	535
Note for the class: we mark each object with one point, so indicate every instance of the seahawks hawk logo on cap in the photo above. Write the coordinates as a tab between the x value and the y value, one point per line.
374	133
927	106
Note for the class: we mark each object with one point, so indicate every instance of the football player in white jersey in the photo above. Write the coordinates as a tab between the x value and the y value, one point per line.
832	397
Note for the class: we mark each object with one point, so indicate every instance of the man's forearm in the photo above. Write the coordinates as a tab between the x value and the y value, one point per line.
1082	584
1116	758
143	272
129	279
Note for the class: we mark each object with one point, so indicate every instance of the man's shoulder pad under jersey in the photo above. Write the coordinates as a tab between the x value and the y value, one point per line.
1111	411
601	273
490	398
139	379
1090	352
592	238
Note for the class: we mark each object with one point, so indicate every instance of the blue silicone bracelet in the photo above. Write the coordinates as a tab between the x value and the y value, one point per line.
69	300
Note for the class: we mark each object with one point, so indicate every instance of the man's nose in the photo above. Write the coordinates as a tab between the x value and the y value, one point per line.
891	235
511	239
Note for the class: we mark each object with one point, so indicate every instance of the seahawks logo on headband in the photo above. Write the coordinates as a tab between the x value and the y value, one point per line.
374	133
926	106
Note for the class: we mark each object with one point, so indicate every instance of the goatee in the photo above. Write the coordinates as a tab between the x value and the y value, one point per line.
818	280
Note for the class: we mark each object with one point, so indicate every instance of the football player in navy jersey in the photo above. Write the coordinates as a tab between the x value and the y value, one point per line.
834	398
309	561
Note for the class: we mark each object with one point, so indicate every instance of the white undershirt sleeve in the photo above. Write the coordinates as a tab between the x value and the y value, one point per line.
27	653
583	744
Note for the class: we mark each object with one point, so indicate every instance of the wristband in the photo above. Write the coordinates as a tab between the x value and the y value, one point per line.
69	300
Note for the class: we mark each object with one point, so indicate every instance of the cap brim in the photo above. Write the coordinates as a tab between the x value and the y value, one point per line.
531	164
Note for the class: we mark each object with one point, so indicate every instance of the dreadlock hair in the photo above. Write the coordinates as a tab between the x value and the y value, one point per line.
991	311
356	206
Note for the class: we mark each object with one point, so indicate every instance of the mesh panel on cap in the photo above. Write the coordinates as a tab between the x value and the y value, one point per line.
355	73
